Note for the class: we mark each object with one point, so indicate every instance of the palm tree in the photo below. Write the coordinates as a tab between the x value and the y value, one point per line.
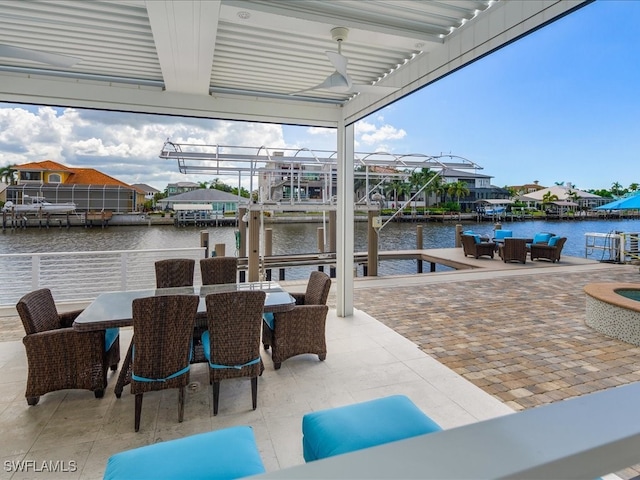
634	187
395	186
457	189
547	198
616	188
9	175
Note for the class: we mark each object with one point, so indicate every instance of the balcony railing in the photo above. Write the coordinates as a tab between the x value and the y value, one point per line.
80	276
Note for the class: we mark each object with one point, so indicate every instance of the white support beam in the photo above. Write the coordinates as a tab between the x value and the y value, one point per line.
184	33
344	231
23	88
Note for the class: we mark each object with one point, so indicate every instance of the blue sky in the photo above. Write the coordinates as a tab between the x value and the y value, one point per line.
560	105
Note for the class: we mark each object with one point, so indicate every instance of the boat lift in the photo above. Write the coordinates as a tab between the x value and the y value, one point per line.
286	176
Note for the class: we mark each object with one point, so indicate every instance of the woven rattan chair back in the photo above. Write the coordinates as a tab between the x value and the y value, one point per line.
162	333
216	270
317	289
38	311
174	272
234	321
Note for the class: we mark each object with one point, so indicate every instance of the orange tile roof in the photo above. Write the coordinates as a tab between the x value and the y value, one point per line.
79	176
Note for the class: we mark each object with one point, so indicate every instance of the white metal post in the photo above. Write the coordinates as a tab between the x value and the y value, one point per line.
344	230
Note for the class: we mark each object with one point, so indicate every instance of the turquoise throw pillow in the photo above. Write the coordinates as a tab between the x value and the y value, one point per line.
476	237
541	237
553	241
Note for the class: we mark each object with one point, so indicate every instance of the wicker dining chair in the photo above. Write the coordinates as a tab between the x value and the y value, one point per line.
232	342
60	357
302	329
174	272
162	335
217	270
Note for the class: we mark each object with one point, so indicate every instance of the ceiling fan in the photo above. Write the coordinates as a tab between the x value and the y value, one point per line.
53	59
340	81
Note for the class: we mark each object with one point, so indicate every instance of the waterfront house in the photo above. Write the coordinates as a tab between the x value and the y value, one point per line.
148	191
88	188
181	187
220	201
563	193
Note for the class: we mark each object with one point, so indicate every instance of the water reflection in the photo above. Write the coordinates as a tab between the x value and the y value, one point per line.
295	238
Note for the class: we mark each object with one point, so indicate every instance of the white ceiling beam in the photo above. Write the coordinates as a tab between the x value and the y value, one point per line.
304	11
40	90
185	36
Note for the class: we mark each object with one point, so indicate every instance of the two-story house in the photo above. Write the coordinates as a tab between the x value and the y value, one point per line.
88	188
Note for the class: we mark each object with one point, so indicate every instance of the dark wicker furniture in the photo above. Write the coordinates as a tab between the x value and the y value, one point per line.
302	329
233	339
552	253
471	247
162	333
58	356
514	250
174	272
217	270
214	271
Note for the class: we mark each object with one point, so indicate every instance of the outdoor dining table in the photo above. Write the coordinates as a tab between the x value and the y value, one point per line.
114	309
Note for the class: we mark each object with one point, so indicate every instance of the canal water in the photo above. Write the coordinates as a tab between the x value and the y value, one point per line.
291	238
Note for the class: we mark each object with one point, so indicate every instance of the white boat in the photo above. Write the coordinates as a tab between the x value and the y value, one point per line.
38	205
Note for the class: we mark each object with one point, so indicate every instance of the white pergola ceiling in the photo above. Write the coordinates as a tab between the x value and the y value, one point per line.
241	59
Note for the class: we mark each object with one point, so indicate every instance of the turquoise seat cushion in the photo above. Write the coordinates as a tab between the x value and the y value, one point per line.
476	238
553	241
206	345
110	336
542	237
346	429
503	234
222	454
268	318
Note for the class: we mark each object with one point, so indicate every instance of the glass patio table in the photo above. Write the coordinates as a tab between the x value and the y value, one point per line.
114	309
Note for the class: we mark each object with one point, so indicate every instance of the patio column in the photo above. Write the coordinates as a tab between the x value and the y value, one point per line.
344	227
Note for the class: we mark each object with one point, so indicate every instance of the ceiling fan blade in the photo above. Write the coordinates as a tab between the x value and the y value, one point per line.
339	62
373	89
334	82
54	59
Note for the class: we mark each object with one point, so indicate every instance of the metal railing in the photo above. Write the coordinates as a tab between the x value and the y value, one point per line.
80	276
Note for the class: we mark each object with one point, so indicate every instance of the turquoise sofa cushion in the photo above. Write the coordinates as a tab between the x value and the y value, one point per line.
542	237
110	336
500	234
222	454
553	241
268	318
206	344
345	429
476	237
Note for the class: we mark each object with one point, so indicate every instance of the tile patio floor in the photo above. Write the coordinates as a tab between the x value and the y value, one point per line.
464	346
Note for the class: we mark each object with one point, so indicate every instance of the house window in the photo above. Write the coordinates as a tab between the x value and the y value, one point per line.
55	178
30	176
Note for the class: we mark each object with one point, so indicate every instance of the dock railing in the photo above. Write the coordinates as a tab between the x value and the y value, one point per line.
81	276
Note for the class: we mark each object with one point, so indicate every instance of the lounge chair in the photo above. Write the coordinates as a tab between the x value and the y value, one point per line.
513	250
472	245
550	251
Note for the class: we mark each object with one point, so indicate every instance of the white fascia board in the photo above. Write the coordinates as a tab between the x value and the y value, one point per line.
20	88
501	24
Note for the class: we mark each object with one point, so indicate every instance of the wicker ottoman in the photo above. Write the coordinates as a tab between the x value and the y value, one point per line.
345	429
222	454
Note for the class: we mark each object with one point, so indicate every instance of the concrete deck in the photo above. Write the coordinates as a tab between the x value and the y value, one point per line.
464	346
